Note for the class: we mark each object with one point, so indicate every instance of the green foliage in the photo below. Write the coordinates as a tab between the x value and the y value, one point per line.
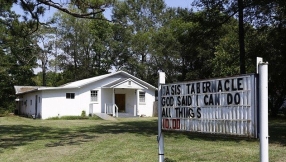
145	36
74	118
83	113
264	34
226	59
84	50
3	112
53	79
137	22
16	56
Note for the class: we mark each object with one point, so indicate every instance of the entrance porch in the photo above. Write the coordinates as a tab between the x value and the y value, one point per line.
120	97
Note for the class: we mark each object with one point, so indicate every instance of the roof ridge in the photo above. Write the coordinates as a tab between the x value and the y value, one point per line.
92	79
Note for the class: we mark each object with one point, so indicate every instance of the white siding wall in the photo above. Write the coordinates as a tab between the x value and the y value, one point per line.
85	100
130	100
39	100
147	107
106	97
84	95
55	103
27	107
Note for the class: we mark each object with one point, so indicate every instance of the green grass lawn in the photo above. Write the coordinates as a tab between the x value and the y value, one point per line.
130	140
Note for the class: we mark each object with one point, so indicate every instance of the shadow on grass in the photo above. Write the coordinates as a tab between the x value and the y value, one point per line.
150	128
12	136
277	131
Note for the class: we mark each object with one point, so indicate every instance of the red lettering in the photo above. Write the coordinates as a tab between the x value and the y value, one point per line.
166	123
176	124
171	124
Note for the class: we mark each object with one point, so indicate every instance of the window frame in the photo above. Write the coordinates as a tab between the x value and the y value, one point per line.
70	95
142	97
93	95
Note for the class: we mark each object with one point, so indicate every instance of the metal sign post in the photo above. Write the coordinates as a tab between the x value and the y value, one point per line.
263	111
258	61
160	137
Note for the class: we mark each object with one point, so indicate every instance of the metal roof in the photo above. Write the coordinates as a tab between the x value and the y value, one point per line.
81	83
25	89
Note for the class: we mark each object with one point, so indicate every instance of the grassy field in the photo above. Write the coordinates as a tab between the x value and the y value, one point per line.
130	140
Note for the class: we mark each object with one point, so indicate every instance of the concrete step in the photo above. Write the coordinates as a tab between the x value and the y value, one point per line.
126	115
105	116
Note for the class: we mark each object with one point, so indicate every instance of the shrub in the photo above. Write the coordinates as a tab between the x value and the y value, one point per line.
3	112
74	118
83	114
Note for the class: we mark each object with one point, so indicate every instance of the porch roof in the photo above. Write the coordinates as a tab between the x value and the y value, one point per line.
127	83
25	89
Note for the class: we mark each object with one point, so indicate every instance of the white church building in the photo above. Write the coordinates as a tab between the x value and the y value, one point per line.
108	94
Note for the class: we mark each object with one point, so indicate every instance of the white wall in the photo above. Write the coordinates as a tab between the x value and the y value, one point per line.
147	107
103	95
106	97
85	101
54	103
27	107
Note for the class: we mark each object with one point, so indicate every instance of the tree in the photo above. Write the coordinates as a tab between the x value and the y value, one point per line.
198	34
45	40
101	59
241	37
227	56
84	52
34	9
17	59
137	22
267	19
166	49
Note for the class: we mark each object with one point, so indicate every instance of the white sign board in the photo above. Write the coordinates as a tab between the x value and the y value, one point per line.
218	106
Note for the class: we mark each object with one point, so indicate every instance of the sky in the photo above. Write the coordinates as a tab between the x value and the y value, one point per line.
179	3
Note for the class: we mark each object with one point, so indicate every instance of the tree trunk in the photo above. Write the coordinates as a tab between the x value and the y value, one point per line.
241	37
44	83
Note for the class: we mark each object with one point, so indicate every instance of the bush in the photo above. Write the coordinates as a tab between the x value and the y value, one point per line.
83	114
53	118
3	112
74	118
